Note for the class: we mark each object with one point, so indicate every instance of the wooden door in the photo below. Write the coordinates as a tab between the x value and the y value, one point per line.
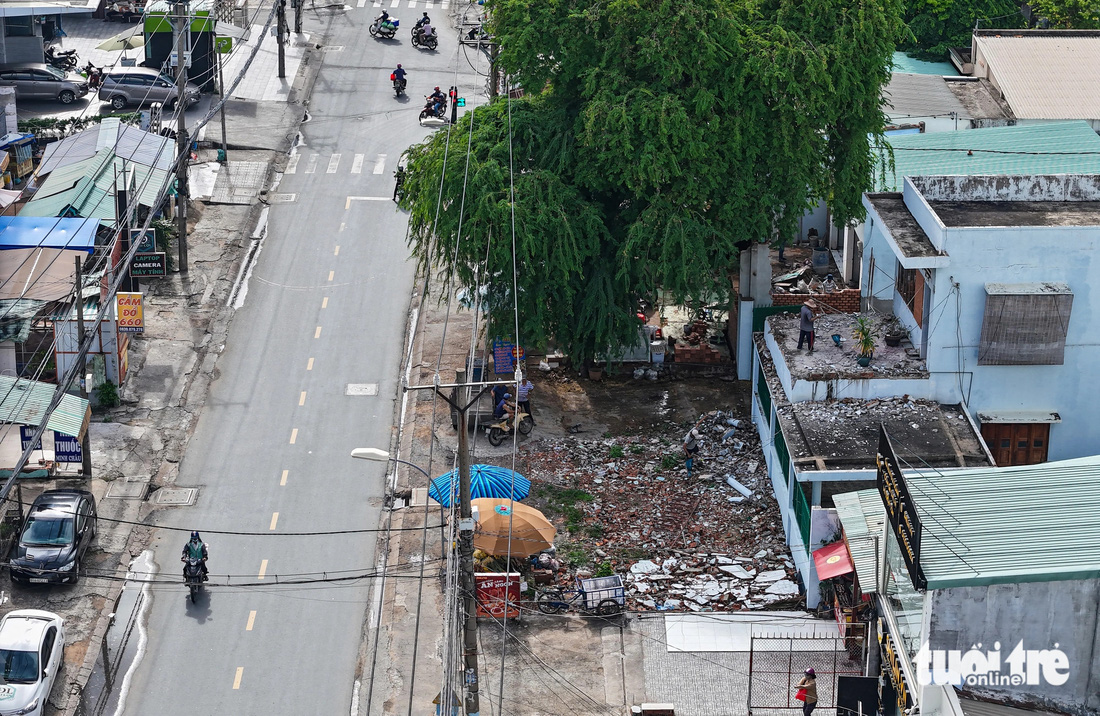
1017	443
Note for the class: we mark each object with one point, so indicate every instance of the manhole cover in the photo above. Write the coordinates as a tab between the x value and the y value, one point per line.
362	389
283	198
180	496
123	490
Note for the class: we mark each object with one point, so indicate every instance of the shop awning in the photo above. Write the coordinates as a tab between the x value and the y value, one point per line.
24	402
832	560
35	232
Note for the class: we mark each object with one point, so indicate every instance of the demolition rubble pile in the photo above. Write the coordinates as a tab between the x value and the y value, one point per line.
711	541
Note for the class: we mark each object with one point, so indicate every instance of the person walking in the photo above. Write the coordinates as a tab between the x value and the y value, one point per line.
399	179
806	324
691	447
523	397
807	692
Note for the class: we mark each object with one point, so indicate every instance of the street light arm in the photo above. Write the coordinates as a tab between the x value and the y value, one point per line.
377	455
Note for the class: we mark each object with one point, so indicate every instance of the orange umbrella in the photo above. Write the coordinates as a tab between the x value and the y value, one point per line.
531	531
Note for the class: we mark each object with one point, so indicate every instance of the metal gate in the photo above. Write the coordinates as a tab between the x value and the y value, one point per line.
777	663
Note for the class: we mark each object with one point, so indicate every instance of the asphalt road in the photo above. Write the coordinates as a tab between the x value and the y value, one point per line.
326	306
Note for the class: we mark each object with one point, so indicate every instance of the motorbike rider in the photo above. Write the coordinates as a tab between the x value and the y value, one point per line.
438	101
425	31
422	21
382	19
196	549
398	75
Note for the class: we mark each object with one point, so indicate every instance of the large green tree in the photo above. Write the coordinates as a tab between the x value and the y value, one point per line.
655	140
934	26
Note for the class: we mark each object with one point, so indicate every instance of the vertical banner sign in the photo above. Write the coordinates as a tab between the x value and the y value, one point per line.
26	432
146	240
131	315
505	355
498	594
66	448
904	521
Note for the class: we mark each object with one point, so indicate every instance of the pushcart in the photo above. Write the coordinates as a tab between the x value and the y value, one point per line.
602	596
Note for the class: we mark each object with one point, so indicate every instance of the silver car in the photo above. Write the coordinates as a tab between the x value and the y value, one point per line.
41	81
140	85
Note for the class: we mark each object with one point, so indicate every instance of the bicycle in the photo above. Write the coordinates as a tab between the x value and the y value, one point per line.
556	601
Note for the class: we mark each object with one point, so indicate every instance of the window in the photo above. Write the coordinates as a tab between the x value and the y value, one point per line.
18	26
1025	324
47	646
910	286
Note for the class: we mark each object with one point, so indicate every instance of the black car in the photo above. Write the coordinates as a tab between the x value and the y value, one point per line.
56	536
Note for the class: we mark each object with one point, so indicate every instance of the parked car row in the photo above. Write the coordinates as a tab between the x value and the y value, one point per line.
122	87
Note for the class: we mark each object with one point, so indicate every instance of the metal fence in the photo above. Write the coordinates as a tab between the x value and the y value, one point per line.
777	663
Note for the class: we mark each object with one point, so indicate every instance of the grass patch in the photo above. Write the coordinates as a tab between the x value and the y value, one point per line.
604	569
669	462
595	531
637	449
616	452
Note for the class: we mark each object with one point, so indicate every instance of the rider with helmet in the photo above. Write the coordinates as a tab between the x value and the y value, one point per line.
438	101
196	549
398	75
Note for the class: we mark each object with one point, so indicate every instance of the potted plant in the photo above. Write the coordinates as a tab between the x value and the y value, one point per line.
893	332
864	335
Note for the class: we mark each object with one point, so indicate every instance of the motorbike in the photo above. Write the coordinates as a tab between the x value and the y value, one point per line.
399	87
386	29
192	576
94	75
431	111
498	432
430	42
64	60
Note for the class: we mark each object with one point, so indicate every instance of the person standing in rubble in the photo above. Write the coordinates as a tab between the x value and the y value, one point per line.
691	447
806	325
523	397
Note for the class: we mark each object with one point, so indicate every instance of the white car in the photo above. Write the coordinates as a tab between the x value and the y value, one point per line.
31	642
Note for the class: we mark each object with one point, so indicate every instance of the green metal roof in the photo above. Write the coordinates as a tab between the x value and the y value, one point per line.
1033	523
88	187
863	517
24	402
1053	148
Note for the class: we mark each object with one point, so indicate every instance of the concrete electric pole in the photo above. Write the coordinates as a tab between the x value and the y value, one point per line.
183	146
86	442
281	37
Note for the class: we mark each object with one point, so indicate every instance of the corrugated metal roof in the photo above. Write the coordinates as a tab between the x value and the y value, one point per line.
862	516
17	316
1047	75
973	707
1055	148
920	97
1032	523
24	402
131	143
88	186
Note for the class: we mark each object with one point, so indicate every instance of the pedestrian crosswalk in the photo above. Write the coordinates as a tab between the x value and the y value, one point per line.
334	162
428	4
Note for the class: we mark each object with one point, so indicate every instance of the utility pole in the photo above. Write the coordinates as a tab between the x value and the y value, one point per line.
298	17
86	443
281	38
494	86
221	95
466	557
183	146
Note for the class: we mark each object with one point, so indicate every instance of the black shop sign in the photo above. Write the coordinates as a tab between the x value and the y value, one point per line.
146	265
900	509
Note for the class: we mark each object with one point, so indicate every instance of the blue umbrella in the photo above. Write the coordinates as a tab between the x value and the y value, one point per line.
485	481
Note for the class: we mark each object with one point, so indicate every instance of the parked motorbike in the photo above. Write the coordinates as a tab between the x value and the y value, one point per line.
430	110
430	42
399	87
498	432
386	29
94	75
192	576
64	60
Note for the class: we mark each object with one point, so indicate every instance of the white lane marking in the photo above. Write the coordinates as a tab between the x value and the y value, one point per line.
377	3
333	164
357	164
311	166
444	4
361	3
355	699
412	3
395	3
347	204
429	5
150	568
380	164
292	165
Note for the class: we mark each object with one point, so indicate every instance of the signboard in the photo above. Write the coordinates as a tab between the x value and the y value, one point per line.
66	448
902	513
505	355
173	59
131	314
498	594
461	102
145	265
26	432
223	45
891	667
146	241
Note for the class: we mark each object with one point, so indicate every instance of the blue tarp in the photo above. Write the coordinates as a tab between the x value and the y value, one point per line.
30	232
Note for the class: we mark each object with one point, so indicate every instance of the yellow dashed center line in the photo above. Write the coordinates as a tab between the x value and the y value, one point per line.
251	620
302	398
344	224
286	473
263	570
317	333
309	366
237	678
336	251
293	436
274	520
331	275
324	302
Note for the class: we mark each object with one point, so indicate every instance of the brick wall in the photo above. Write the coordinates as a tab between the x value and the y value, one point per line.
846	301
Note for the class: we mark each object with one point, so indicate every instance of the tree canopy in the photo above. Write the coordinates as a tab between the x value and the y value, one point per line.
934	26
655	141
